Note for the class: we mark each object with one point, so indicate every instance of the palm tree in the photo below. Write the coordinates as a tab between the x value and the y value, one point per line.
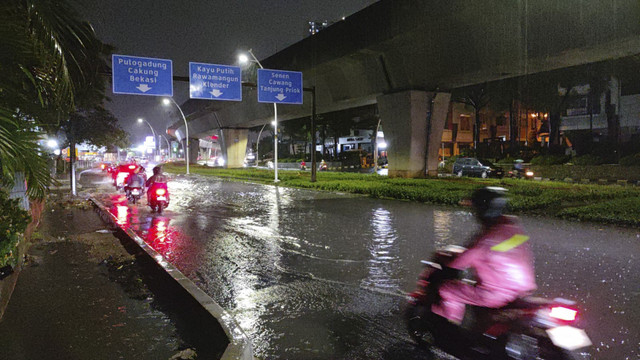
47	58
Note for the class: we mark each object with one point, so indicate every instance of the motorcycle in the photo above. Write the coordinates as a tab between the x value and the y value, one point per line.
521	174
527	328
323	167
158	197
133	193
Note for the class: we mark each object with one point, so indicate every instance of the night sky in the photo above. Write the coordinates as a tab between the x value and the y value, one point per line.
209	31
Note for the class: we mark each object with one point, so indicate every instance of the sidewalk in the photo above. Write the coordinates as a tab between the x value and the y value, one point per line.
81	295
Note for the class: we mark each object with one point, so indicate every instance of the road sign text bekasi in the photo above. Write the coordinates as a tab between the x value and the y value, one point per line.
142	76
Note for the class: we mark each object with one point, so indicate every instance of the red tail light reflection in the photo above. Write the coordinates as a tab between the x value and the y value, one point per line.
563	313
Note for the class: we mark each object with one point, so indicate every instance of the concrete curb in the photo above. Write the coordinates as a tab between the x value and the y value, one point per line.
239	344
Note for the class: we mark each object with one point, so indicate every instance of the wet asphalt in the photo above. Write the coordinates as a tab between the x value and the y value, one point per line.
318	275
82	294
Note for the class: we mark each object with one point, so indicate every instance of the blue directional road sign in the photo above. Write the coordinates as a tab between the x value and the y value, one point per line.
215	82
279	86
141	76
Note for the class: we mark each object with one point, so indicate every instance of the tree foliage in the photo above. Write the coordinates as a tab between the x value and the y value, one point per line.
50	63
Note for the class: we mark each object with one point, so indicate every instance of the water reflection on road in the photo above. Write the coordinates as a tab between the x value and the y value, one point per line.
315	275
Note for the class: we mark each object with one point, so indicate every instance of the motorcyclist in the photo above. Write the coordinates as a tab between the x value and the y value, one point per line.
518	165
135	180
157	180
500	256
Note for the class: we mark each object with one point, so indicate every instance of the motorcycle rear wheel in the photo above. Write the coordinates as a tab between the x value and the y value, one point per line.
416	317
521	347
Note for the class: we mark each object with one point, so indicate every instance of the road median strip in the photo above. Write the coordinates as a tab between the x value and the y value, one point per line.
544	197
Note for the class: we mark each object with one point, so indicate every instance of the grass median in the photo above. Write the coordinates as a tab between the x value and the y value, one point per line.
595	203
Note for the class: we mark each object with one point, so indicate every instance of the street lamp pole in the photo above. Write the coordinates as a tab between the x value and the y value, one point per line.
167	101
168	147
258	145
275	122
155	148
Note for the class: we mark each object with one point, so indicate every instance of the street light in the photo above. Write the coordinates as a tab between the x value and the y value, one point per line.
168	101
168	147
141	120
244	59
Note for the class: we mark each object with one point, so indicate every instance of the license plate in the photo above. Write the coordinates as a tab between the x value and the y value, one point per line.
164	198
568	337
135	192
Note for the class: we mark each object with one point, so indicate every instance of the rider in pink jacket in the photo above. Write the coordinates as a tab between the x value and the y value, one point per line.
500	255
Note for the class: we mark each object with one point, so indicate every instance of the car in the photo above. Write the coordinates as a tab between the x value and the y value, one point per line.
476	167
122	172
105	166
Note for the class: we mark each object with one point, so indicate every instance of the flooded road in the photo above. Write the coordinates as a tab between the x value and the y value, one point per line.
315	275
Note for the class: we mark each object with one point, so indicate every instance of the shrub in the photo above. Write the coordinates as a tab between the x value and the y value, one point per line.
631	160
448	164
588	160
549	160
13	222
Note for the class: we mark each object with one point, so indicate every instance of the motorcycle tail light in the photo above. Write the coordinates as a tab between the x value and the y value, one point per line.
529	173
161	192
132	167
563	313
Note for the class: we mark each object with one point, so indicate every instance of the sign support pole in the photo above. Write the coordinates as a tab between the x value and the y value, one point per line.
313	134
275	141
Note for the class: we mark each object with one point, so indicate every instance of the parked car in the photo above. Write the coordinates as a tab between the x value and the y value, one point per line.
476	167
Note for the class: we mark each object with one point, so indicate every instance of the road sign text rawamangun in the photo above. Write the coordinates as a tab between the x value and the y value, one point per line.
215	82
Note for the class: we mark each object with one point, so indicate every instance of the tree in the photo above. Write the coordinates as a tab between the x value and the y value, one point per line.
478	98
298	130
337	127
552	92
49	60
96	126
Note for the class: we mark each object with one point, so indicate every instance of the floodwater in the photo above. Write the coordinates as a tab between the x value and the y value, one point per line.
318	275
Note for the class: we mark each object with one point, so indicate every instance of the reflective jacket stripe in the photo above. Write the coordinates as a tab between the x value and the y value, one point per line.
511	243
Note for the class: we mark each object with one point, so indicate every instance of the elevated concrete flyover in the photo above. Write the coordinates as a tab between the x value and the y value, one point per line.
408	55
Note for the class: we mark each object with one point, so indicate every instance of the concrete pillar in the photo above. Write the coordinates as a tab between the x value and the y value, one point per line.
194	150
413	135
235	144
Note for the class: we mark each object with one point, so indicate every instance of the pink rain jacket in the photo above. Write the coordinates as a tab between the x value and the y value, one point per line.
503	262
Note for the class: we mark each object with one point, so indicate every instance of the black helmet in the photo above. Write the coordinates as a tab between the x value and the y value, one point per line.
488	202
157	169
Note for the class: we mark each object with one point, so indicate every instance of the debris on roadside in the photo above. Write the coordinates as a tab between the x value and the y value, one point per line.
186	354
